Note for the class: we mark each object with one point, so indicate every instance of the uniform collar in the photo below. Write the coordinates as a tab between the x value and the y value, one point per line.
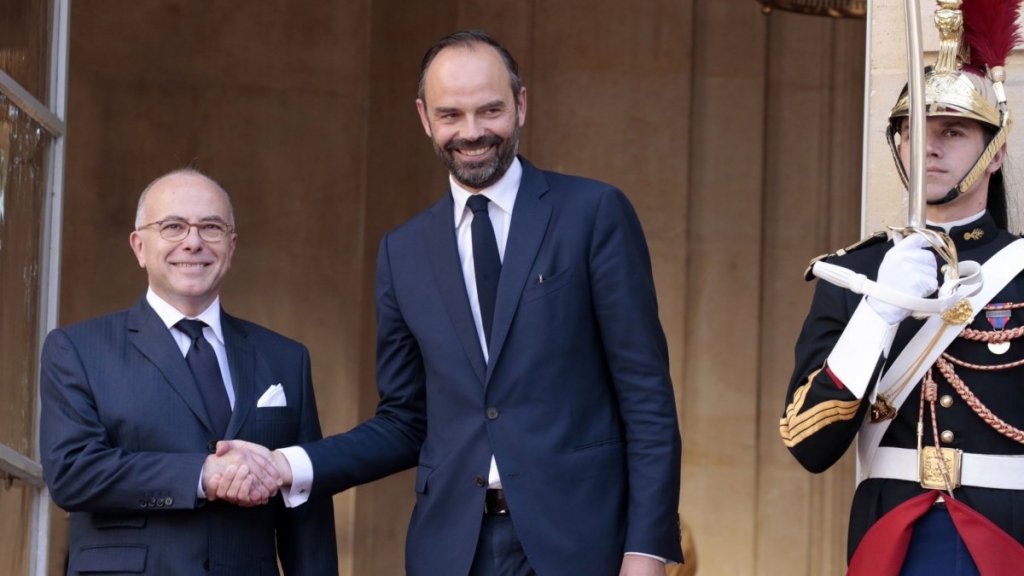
971	233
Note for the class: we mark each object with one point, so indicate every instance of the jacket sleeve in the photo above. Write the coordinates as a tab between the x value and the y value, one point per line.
626	309
84	470
390	441
823	412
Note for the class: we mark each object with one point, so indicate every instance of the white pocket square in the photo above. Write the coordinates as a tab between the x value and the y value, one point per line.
274	396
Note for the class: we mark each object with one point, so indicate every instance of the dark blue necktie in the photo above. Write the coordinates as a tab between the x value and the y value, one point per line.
486	261
202	360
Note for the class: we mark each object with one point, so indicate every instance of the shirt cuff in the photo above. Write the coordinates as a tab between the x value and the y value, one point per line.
663	560
200	493
866	337
302	476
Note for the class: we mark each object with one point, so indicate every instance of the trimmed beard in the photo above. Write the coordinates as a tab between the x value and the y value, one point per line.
479	175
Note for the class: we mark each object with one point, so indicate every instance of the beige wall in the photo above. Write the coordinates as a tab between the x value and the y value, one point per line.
272	102
736	136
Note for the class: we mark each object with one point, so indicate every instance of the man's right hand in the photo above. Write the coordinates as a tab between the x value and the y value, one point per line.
253	477
910	268
231	484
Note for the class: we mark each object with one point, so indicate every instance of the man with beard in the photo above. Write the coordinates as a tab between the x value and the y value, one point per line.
521	364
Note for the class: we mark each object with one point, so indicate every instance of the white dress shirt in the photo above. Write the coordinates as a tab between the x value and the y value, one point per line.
213	333
502	197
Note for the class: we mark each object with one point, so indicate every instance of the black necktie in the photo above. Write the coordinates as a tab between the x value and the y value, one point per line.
202	360
486	261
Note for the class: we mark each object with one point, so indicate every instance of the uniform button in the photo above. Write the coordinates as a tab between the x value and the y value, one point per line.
492	413
142	503
946	401
480	481
168	501
947	436
152	502
211	447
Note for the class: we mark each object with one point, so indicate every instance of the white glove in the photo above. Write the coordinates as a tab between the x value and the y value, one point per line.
910	268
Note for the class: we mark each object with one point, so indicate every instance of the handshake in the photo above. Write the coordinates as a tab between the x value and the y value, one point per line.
244	473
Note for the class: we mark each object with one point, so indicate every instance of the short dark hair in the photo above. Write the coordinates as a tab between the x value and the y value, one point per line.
996	202
470	38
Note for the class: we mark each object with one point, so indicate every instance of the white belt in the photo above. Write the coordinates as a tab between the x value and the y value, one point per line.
980	470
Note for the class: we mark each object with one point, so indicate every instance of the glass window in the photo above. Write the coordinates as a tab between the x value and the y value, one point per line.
25	43
23	148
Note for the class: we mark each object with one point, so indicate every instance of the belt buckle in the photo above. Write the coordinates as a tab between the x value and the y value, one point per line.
495	503
930	471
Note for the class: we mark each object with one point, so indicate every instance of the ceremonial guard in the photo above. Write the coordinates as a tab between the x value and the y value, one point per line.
929	379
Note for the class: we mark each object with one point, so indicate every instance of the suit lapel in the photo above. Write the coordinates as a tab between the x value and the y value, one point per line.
242	363
530	217
443	252
152	338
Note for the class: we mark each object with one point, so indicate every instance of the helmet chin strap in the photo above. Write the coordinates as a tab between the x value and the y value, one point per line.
952	195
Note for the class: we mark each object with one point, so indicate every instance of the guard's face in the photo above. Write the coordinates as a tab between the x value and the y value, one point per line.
471	114
953	146
187	273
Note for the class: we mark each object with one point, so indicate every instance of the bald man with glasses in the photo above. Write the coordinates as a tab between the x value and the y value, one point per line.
134	403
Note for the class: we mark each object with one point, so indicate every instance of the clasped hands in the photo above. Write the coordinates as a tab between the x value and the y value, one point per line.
244	473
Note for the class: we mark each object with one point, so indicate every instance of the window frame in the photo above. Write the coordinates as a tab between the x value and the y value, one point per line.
50	116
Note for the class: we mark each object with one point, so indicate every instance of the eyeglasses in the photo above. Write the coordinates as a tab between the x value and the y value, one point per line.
176	230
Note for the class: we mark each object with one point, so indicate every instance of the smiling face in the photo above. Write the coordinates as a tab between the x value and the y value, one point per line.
471	114
187	274
954	144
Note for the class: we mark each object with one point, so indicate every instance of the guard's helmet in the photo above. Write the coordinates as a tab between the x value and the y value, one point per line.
975	38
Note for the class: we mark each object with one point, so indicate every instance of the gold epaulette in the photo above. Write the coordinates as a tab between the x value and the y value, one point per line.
871	240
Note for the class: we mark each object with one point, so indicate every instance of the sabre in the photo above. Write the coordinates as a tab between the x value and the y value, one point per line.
915	77
961	279
917	200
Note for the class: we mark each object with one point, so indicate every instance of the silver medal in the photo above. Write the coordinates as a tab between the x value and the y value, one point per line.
998	347
997	318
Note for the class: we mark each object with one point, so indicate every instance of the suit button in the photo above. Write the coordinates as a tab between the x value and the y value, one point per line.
492	413
168	501
480	481
211	447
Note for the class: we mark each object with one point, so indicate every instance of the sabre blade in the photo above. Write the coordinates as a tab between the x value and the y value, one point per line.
918	145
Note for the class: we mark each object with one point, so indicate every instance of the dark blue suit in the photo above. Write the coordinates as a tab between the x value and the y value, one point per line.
124	435
576	402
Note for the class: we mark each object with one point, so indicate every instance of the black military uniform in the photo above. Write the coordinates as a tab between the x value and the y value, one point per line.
822	418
